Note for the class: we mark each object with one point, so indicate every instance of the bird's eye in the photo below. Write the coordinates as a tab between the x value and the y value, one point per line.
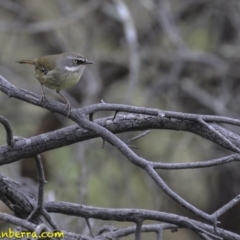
44	71
78	61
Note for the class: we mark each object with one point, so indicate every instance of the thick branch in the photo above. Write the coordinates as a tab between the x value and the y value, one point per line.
153	118
130	215
16	199
32	146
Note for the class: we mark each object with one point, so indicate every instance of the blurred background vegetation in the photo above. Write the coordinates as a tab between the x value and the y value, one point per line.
175	55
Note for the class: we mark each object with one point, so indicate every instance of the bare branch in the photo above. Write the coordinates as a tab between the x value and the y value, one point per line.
226	207
139	136
203	164
131	215
142	119
9	131
138	230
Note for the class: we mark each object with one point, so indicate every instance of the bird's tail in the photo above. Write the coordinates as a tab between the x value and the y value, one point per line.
26	62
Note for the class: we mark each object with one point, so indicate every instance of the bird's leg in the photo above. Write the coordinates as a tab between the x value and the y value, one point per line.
68	105
43	98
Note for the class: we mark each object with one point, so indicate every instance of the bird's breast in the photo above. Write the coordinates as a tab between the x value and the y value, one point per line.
58	79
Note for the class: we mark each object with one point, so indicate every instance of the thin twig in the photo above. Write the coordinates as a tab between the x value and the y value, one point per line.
138	231
202	164
39	210
226	207
159	181
227	142
9	131
89	227
138	136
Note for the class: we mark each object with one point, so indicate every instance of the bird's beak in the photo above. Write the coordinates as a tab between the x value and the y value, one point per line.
88	62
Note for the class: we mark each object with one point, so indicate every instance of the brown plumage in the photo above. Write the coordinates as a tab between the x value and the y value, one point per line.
58	72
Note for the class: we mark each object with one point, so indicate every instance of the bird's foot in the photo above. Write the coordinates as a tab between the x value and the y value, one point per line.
43	100
69	107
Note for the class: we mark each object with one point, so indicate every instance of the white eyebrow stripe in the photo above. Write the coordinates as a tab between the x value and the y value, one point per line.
72	69
78	58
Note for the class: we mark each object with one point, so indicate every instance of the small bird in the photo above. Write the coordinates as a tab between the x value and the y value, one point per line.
58	72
